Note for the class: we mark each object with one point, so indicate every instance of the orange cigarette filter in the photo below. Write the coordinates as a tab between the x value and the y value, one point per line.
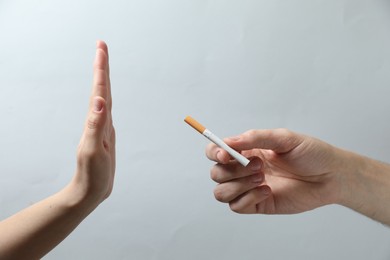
195	124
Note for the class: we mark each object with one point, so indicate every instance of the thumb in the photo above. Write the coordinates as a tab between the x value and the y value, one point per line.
97	116
278	140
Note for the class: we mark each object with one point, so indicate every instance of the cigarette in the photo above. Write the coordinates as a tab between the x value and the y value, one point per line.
215	139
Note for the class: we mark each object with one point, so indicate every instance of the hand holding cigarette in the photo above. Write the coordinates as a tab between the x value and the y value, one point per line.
292	173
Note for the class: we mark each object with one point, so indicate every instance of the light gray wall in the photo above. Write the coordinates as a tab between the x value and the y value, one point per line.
317	67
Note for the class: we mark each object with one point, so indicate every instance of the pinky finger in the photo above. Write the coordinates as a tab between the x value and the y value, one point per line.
255	201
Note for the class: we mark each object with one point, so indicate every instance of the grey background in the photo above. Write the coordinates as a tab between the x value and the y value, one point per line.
317	67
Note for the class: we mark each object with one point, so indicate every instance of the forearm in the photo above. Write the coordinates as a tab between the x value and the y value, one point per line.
365	186
33	232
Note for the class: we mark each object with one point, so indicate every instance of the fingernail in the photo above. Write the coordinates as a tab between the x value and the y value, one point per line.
97	105
255	165
219	155
257	178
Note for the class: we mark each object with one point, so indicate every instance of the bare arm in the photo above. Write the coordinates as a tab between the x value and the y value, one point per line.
366	186
33	232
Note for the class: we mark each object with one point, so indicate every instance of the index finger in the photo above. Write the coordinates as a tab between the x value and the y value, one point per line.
278	140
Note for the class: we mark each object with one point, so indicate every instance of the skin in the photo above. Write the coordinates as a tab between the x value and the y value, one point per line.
291	173
34	231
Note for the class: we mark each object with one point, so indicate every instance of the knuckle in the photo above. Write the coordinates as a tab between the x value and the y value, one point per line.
284	132
92	122
251	133
288	137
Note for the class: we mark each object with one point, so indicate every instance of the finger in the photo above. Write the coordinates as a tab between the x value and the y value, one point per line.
95	124
103	46
278	140
99	87
222	173
216	154
228	191
249	201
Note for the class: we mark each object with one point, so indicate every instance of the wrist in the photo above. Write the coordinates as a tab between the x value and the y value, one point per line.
365	186
338	168
348	174
78	196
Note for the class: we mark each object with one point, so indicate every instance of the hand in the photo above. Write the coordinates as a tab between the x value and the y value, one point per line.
96	152
288	173
34	231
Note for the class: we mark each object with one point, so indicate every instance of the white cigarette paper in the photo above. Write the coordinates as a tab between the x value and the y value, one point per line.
215	139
